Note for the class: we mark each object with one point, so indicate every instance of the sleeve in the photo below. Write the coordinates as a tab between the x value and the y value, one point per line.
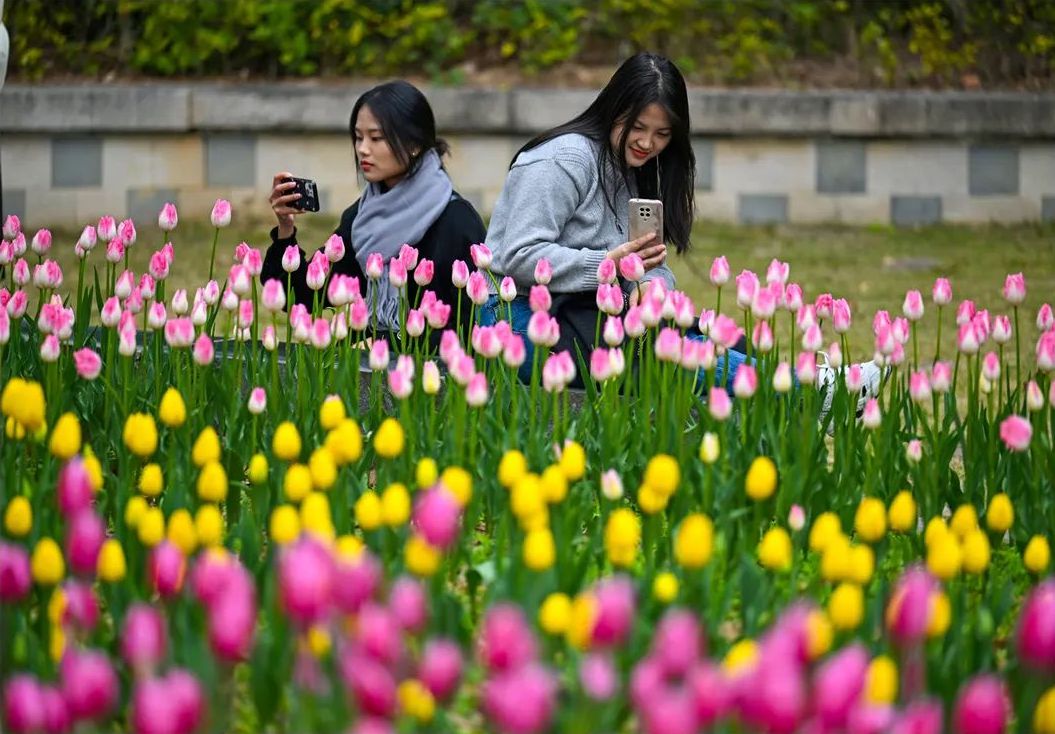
537	201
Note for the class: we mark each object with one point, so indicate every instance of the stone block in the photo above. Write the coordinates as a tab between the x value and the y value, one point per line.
763	166
535	110
1047	209
763	208
95	108
716	206
704	152
144	204
842	166
469	110
14	203
906	167
90	204
479	161
961	209
293	106
912	211
992	170
76	161
753	111
851	209
230	160
854	113
1036	164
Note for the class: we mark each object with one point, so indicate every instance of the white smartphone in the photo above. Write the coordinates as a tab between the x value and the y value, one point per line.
646	215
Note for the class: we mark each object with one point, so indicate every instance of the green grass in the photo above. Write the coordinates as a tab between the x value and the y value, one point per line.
871	267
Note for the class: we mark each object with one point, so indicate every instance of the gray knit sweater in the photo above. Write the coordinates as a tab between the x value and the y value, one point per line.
552	206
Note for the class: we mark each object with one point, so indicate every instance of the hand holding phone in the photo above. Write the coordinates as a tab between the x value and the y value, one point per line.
291	196
646	234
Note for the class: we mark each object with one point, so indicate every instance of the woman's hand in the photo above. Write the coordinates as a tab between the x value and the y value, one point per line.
281	204
651	254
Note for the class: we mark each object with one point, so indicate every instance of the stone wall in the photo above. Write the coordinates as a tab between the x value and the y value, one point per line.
71	154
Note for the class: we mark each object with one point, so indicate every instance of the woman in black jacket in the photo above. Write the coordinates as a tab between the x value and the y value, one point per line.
408	198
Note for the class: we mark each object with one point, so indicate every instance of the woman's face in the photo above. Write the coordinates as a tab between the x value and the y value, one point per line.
376	159
649	135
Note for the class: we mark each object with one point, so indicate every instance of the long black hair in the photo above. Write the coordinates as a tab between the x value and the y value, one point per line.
406	120
641	80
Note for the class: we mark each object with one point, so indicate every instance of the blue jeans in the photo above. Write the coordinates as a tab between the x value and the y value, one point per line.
495	310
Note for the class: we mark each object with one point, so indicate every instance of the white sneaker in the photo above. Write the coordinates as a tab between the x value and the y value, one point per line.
872	377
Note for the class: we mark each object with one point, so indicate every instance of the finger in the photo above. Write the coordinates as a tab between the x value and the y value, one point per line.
643	240
657	251
288	198
282	175
283	211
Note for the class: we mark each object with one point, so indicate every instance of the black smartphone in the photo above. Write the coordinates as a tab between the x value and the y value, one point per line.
309	194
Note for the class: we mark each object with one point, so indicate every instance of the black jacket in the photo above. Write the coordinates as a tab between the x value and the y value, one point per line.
447	240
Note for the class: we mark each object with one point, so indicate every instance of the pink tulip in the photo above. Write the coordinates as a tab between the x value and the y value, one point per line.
838	684
459	274
609	298
356	581
668	345
167	217
50	349
710	692
319	334
89	684
41	242
409	604
677	642
1001	329
991	366
967	339
476	393
166	568
1034	397
507	289
85	535
982	707
437	517
806	368
919	387
173	704
965	312
720	271
598	676
88	237
57	718
909	608
74	489
379	355
424	272
1045	351
15	579
143	638
539	298
866	718
812	339
477	288
923	716
486	341
211	576
400	384
913	306
1016	432
179	333
792	300
1035	634
481	255
613	331
115	250
719	404
543	271
632	267
5	324
24	711
1015	289
505	640
306	574
232	618
871	417
615	611
773	699
764	304
159	266
18	245
805	317
824	305
440	669
521	701
317	271
941	293
725	332
12	226
777	272
745	382
746	286
334	248
157	316
1045	317
203	351
607	272
514	353
371	683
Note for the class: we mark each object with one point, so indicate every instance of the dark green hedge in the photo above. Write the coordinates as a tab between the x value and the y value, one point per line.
857	42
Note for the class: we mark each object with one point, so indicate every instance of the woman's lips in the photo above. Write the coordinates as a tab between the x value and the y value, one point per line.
638	154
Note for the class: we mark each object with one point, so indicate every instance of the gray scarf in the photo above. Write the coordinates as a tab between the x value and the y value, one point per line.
386	220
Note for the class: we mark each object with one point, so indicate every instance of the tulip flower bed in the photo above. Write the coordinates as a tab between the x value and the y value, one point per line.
205	529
